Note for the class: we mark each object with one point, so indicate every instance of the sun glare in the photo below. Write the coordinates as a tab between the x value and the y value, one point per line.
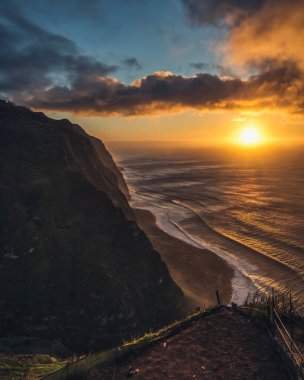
250	136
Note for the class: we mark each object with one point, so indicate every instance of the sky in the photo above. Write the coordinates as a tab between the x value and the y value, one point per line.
191	71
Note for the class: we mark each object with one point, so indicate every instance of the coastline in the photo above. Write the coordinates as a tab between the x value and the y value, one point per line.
198	272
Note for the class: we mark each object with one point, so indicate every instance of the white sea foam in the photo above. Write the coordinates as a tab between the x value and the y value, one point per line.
241	282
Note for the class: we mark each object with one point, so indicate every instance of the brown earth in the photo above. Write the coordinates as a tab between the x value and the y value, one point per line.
223	345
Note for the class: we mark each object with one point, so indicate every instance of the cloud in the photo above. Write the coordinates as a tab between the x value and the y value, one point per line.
131	63
222	70
199	65
220	11
32	58
46	71
278	87
265	37
258	30
275	32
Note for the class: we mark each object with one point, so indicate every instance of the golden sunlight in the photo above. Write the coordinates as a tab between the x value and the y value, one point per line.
250	136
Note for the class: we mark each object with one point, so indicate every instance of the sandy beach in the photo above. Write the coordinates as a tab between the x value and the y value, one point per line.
198	272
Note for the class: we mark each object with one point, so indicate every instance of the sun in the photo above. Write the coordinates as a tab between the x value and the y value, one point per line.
250	136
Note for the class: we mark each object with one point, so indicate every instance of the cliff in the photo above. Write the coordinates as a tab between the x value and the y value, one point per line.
73	264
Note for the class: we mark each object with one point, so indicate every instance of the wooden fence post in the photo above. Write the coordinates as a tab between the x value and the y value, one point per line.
218	297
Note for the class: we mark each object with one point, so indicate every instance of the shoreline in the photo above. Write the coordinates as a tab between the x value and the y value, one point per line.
197	271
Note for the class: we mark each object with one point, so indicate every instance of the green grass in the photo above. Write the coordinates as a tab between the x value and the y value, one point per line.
161	332
28	366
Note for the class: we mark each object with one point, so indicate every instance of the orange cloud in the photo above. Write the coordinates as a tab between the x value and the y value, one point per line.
274	32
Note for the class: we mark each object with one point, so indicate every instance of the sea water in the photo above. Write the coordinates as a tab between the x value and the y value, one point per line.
247	208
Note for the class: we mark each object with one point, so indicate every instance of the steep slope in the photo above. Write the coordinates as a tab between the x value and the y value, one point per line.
73	265
107	160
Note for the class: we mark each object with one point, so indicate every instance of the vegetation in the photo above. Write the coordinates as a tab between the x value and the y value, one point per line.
28	366
152	335
282	302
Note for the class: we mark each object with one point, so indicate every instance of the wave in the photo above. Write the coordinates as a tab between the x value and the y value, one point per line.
238	245
247	276
231	212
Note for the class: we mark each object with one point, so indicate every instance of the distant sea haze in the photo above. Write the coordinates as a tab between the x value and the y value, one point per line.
247	209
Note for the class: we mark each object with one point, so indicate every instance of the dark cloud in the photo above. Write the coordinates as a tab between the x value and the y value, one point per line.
131	64
32	58
199	65
220	11
46	71
277	87
222	70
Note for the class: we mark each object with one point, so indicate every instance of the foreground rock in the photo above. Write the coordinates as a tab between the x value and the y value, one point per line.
73	264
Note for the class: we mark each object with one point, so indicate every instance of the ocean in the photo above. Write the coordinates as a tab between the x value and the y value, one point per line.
247	207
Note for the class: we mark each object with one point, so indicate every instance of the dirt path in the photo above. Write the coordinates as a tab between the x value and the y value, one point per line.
224	345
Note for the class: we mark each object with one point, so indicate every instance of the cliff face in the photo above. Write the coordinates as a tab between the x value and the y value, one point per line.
107	161
73	264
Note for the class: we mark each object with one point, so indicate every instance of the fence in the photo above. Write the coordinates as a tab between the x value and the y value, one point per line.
278	308
288	345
